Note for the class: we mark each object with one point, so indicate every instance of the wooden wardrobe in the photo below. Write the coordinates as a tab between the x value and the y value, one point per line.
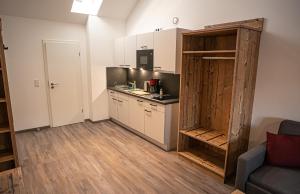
8	150
218	77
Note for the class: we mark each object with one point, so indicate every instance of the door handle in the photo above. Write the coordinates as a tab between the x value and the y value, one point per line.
52	85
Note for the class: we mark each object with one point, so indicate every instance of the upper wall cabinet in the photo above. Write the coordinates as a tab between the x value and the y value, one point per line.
167	50
119	55
130	51
144	41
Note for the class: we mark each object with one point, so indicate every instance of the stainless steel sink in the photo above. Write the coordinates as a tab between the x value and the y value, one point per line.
137	91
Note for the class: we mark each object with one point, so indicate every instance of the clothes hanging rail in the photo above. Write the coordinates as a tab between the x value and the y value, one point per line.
219	58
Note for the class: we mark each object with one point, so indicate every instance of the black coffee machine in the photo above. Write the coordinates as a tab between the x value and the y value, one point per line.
154	85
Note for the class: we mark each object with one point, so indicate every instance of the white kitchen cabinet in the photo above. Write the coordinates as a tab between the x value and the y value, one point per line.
113	105
130	51
123	108
167	50
119	54
136	114
154	124
144	41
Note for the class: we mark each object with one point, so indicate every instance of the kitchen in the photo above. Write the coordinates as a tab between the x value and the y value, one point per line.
144	89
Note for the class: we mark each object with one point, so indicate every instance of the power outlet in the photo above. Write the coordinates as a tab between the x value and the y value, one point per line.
36	83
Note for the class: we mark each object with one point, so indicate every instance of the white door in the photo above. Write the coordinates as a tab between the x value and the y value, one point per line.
154	124
136	114
119	58
123	111
113	105
64	80
165	50
130	51
144	41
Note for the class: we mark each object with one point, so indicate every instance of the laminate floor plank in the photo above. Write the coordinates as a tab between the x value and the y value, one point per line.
106	158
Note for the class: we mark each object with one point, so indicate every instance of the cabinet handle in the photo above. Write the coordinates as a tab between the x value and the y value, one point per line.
120	100
147	110
139	100
114	99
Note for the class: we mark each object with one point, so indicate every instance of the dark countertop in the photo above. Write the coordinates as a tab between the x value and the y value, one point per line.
146	97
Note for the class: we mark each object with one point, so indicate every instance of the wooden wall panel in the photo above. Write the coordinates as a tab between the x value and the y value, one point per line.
246	68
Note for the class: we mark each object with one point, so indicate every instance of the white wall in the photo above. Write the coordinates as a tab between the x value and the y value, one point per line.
277	94
25	63
101	33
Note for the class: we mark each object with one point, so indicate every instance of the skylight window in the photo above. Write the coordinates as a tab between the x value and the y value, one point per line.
90	7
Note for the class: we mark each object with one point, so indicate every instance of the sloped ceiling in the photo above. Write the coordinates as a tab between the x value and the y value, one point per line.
59	10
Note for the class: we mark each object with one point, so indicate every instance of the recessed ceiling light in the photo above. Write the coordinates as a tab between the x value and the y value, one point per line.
90	7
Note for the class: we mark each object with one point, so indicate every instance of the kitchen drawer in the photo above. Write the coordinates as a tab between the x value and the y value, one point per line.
112	93
154	106
123	96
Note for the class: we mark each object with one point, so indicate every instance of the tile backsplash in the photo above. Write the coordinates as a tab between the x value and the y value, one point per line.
116	75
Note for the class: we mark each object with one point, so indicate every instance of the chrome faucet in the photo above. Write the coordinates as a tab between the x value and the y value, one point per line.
132	84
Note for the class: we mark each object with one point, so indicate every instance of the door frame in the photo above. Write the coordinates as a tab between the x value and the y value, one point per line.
44	42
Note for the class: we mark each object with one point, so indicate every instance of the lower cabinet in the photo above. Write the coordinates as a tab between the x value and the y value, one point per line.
155	121
113	105
123	111
136	114
154	124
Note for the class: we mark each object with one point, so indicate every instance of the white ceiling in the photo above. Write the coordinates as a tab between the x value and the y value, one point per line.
118	9
59	10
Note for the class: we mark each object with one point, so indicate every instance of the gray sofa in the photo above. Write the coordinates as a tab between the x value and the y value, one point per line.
255	177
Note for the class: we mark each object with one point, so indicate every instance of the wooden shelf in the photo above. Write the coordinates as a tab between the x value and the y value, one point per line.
205	159
2	100
4	129
209	52
5	157
212	137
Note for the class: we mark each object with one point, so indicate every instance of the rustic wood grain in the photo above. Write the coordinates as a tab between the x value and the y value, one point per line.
218	93
11	182
253	24
6	117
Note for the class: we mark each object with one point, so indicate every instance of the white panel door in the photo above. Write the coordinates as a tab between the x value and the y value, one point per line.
119	55
123	111
165	50
154	124
144	41
130	51
136	114
113	106
64	78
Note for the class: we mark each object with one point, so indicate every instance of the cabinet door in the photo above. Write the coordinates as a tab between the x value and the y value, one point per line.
145	41
123	111
119	55
136	114
165	50
113	107
130	51
154	124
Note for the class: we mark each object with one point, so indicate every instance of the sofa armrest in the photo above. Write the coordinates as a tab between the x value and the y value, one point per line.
247	163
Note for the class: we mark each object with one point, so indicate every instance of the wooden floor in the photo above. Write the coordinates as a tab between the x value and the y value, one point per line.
106	158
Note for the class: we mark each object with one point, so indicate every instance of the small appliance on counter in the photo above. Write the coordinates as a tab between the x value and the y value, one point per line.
154	85
146	86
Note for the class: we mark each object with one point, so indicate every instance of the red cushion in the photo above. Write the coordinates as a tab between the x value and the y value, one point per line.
283	150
